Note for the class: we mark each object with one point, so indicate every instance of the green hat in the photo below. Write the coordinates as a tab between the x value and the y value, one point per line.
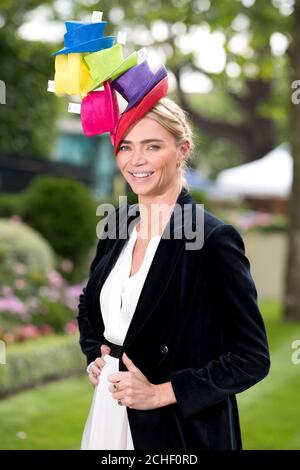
108	64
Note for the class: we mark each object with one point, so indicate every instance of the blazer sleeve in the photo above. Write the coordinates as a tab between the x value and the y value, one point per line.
89	342
246	359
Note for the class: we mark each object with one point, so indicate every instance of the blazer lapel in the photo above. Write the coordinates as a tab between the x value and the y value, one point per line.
160	272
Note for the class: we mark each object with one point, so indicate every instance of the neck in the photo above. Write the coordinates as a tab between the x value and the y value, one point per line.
155	211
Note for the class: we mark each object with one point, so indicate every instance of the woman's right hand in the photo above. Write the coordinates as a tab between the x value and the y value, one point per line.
98	365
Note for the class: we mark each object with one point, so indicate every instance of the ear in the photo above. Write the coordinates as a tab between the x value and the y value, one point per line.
184	149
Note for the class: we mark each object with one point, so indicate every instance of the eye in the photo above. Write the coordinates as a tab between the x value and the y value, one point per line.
156	147
122	147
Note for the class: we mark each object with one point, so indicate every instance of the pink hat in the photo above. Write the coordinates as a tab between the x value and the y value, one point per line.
100	112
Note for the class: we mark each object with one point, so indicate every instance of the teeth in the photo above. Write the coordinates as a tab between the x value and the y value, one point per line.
141	175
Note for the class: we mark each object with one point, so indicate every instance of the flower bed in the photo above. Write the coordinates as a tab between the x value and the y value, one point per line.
29	310
255	221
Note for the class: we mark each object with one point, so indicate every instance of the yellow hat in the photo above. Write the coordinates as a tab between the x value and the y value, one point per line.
71	75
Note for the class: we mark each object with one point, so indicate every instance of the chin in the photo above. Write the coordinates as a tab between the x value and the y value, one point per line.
143	191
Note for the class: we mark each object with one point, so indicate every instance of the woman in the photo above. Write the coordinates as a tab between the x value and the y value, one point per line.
177	331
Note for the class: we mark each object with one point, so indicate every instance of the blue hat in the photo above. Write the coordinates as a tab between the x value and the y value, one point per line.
70	24
85	37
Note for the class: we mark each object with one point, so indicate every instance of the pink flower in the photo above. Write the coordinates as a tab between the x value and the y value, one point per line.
15	219
20	284
51	293
13	305
32	302
72	295
66	265
46	329
27	332
55	279
7	291
71	327
253	219
263	218
20	269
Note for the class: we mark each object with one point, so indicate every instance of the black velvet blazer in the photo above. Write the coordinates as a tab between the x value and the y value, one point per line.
196	324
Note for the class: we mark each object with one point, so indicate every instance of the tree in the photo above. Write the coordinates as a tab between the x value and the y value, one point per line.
27	120
292	291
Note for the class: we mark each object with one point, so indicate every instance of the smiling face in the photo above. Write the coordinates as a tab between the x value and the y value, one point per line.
147	158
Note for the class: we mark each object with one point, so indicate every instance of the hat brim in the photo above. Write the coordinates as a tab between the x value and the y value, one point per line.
159	75
127	64
90	46
128	118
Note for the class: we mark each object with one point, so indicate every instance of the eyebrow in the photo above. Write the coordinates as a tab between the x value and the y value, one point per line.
146	141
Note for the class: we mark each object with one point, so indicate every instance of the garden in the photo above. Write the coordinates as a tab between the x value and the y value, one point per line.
47	238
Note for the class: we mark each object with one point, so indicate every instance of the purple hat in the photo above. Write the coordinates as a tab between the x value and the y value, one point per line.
134	84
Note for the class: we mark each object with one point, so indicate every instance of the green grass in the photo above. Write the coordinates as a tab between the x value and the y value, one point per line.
53	416
48	417
269	412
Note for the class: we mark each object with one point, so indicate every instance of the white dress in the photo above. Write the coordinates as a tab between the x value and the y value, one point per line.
107	426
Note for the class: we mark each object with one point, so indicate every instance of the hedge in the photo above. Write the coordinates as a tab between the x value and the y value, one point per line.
10	204
34	362
19	243
63	211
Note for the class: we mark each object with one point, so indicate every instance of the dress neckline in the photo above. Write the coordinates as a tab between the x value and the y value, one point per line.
134	233
134	238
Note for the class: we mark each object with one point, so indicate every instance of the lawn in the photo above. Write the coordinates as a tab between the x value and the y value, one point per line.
53	416
269	411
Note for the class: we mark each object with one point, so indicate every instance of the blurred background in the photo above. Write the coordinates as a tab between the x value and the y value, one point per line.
233	66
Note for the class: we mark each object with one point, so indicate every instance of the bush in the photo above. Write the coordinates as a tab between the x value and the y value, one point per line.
201	198
278	224
29	364
9	205
132	198
54	314
22	247
64	213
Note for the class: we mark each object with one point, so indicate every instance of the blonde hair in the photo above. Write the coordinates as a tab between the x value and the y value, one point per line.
173	118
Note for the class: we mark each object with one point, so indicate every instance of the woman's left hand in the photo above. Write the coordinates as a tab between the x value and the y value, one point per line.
133	389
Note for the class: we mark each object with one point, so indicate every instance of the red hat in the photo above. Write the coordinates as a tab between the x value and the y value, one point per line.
130	117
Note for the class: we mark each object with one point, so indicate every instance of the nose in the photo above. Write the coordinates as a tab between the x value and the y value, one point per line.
137	157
